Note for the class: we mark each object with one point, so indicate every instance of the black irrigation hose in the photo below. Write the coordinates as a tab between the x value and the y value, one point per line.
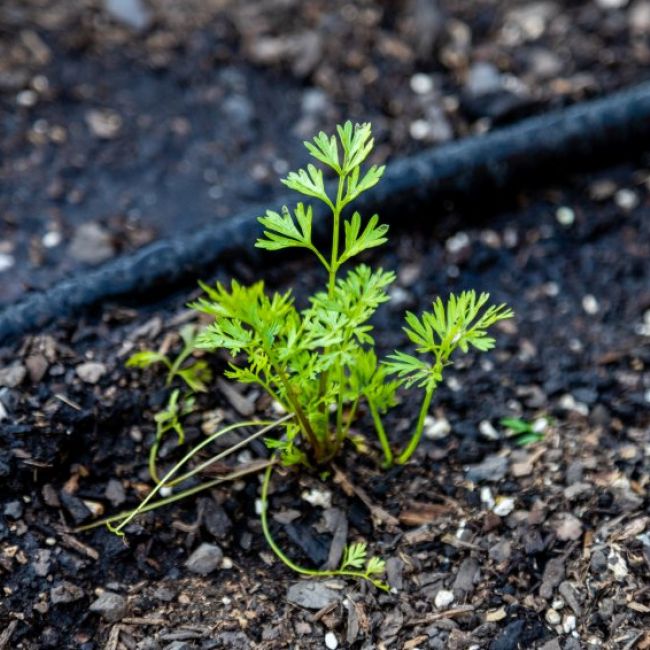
556	142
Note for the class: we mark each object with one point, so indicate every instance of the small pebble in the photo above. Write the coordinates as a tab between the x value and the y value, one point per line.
568	623
565	216
436	428
488	431
331	641
315	497
443	599
626	199
51	239
504	506
205	559
91	371
486	497
590	305
6	261
552	617
421	84
457	242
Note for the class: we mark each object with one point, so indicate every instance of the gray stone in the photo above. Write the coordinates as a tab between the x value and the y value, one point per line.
483	78
133	13
468	576
13	509
311	594
492	469
394	573
65	592
115	492
42	562
205	559
12	376
501	551
91	244
91	371
110	606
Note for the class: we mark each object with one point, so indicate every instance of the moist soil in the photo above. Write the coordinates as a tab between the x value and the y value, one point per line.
489	543
126	120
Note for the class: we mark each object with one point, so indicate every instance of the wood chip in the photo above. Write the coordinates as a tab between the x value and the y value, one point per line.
418	513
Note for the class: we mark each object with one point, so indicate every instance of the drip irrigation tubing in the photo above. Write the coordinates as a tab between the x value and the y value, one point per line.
561	141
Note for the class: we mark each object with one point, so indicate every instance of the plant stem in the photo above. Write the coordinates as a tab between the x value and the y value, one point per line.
381	434
251	468
290	563
191	453
417	434
336	214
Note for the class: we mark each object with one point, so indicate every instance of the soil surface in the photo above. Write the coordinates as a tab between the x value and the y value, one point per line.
489	544
126	120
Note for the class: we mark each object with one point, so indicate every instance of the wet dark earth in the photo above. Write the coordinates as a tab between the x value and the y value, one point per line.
122	121
493	545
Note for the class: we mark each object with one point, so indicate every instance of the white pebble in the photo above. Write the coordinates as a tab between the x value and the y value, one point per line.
166	491
6	261
26	98
626	199
486	497
590	305
51	239
456	243
421	84
331	641
443	598
565	216
504	506
419	130
488	431
552	617
569	623
569	403
315	497
611	4
436	428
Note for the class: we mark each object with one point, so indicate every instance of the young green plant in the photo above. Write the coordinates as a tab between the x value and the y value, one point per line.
318	363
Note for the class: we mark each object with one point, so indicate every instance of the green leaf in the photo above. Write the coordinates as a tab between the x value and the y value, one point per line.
283	232
412	370
354	556
375	566
196	376
309	182
146	358
356	242
325	149
357	143
355	187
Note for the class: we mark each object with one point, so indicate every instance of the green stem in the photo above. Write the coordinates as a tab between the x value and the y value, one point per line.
232	476
381	434
190	454
417	434
290	563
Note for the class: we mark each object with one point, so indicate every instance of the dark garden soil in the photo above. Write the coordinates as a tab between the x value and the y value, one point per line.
489	544
125	120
